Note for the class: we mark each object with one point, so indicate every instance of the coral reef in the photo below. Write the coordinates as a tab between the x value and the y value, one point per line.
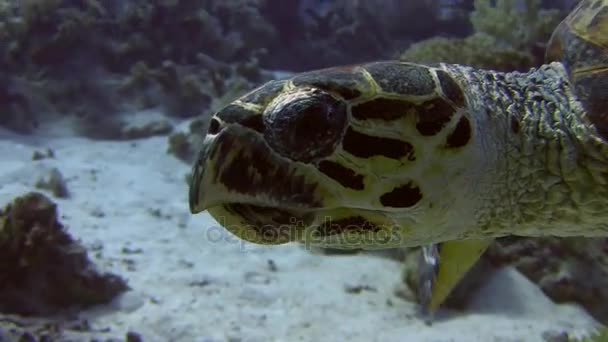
18	113
508	36
43	271
318	34
185	145
519	24
480	50
93	59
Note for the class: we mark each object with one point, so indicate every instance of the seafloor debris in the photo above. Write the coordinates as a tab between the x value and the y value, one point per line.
145	124
181	147
15	328
33	329
185	146
47	154
55	183
152	128
43	271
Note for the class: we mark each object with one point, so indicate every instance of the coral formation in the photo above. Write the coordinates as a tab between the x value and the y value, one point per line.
508	36
93	59
320	34
55	183
185	145
519	24
43	271
17	112
480	50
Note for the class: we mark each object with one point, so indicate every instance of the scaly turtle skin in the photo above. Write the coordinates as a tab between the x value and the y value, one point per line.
392	154
580	42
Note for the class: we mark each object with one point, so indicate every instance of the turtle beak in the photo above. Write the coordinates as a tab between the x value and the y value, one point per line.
200	194
237	166
216	164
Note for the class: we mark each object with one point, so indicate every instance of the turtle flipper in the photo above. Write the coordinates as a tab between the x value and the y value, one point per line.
442	266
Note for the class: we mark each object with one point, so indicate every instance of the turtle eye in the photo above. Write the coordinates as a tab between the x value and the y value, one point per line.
305	125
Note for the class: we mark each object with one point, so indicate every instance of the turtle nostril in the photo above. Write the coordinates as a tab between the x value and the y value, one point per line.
214	126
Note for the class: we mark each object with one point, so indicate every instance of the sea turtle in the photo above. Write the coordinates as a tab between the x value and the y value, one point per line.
391	153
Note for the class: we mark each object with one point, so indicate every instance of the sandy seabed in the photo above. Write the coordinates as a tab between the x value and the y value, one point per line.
193	281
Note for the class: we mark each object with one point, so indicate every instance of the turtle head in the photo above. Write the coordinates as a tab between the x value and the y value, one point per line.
324	159
259	171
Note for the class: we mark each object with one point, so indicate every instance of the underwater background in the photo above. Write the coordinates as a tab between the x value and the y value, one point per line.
103	107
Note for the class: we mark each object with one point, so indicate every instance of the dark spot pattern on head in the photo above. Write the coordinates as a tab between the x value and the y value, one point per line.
381	108
402	78
461	134
404	196
450	88
348	82
342	174
307	128
515	128
220	151
365	146
344	225
433	116
264	94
